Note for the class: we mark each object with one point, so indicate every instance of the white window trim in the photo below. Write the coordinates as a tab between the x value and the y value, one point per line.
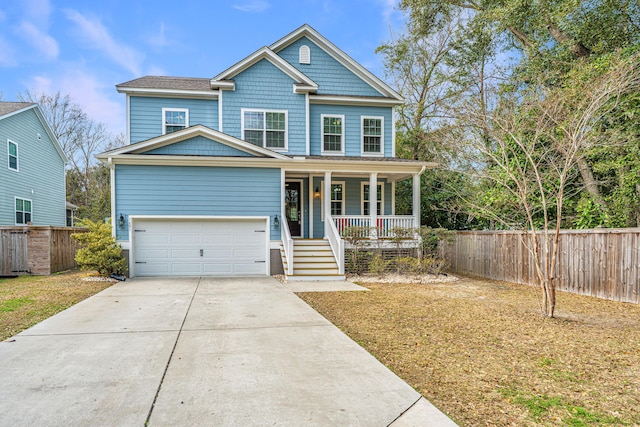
366	153
264	140
362	200
342	142
17	169
344	197
14	209
182	110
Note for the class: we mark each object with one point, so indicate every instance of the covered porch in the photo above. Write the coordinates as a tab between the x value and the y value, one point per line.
333	203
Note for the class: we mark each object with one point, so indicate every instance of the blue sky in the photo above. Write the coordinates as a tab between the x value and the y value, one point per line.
84	48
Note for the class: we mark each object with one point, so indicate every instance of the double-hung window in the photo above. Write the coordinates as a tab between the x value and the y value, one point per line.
372	135
365	199
174	119
13	155
332	134
337	199
23	211
265	128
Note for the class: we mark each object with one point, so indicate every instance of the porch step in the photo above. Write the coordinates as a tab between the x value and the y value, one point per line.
311	259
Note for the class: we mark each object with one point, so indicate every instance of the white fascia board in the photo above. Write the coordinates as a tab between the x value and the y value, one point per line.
223	84
337	54
190	132
177	93
351	100
269	55
290	165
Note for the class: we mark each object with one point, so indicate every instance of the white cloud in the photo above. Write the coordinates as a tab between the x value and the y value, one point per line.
96	98
97	36
43	42
159	40
253	6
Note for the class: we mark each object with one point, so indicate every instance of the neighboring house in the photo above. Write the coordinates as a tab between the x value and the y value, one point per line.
274	156
32	177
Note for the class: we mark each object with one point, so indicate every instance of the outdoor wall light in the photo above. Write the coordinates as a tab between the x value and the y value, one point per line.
121	221
276	222
316	193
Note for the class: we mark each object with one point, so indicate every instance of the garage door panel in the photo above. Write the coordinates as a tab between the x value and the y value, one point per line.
153	253
172	247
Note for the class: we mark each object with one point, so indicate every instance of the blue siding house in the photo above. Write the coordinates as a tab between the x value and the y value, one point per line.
259	169
32	177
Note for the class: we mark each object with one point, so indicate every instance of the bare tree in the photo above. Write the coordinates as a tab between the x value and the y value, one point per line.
534	149
81	138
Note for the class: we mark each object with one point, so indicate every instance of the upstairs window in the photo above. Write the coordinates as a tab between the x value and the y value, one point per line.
365	199
174	119
265	128
13	155
23	211
372	128
332	134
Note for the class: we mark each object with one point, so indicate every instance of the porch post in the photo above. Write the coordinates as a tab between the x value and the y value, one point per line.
327	198
416	200
373	204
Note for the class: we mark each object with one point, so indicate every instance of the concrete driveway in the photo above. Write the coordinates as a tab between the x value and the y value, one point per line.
199	351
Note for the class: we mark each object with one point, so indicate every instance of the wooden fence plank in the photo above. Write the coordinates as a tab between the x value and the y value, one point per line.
604	263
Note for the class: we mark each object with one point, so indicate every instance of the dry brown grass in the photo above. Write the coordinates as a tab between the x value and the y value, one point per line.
483	354
27	300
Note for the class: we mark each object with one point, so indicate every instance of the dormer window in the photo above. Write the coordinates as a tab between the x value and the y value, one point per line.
174	119
305	55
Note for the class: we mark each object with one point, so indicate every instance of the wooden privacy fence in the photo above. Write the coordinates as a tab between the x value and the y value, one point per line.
37	249
603	263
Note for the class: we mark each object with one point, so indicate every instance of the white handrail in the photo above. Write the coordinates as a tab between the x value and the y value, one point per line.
384	223
335	241
287	243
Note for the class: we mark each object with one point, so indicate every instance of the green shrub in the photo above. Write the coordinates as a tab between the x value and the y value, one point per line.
378	265
408	264
98	249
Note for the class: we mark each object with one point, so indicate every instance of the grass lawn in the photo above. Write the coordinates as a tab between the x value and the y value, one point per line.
27	300
483	354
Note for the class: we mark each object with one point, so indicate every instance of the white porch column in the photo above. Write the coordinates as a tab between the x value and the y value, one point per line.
416	200
373	204
327	197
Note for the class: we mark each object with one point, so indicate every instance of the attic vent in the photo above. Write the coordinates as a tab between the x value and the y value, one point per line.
305	55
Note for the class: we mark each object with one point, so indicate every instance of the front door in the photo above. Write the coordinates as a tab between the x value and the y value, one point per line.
292	208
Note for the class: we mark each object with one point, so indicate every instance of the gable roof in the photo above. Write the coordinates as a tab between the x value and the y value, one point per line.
303	82
8	109
13	107
191	132
307	31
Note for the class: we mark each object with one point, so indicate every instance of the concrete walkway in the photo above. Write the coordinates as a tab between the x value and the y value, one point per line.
199	351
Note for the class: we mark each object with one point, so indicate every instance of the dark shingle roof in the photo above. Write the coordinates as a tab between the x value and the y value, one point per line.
364	158
163	82
10	107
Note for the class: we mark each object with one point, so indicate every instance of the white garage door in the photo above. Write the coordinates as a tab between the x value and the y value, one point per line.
221	247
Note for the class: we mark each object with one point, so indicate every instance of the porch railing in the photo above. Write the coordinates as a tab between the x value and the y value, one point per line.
287	242
385	224
336	242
